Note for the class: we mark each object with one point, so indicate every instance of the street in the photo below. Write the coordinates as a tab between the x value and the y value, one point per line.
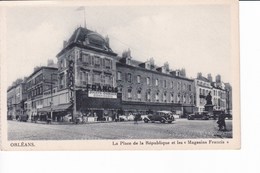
179	129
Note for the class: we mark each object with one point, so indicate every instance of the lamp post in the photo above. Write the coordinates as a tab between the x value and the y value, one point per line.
51	102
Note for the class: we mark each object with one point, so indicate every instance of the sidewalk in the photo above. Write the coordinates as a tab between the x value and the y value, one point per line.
72	123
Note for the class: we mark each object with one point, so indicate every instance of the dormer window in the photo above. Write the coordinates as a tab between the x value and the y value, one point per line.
128	61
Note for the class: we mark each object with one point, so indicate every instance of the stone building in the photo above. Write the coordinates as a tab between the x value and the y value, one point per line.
203	87
217	89
16	96
228	89
219	94
147	87
90	83
40	81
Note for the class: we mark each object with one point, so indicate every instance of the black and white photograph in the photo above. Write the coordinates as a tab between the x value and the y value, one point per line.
120	76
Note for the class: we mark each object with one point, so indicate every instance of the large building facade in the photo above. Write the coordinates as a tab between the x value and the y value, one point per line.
16	97
217	90
87	73
40	81
146	87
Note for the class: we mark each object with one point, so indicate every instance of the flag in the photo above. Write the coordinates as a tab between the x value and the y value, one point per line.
80	8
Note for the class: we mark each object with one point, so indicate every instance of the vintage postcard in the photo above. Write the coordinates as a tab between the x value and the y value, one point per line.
119	75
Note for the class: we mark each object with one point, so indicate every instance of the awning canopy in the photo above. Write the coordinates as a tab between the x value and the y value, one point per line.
133	106
57	108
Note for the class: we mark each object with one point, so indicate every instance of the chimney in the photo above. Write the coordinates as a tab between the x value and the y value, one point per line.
218	79
183	72
107	40
199	75
209	77
50	63
65	43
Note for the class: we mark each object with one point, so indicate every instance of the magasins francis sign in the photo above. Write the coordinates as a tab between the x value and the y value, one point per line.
98	91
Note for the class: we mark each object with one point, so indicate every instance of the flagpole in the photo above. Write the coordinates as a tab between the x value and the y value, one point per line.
85	18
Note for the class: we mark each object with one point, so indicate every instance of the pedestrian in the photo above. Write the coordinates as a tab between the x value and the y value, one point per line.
221	122
136	118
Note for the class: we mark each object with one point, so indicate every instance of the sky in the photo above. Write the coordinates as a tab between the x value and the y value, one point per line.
194	37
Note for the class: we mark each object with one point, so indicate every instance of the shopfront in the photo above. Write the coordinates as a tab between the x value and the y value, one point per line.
102	103
58	112
149	107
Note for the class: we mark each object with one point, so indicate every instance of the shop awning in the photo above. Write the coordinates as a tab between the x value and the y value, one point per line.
98	103
132	106
57	108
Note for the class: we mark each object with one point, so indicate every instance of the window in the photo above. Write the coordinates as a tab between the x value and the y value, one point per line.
172	97
148	96
138	79
129	77
108	80
179	85
184	98
86	58
164	97
184	87
157	96
119	75
189	87
108	63
97	78
148	81
129	93
62	81
61	63
156	82
190	99
139	94
164	83
178	98
41	90
83	77
97	61
172	85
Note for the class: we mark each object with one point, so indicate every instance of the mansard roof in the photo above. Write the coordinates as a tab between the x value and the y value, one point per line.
86	38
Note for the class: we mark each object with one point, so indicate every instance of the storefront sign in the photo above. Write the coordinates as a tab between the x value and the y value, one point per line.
100	94
102	88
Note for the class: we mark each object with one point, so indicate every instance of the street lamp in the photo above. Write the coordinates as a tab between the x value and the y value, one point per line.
51	102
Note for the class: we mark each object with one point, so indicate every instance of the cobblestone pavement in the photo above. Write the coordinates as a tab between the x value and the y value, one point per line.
180	129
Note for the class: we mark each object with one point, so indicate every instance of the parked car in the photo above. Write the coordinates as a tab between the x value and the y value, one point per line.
122	118
23	118
67	118
198	115
176	116
228	116
143	117
162	116
131	117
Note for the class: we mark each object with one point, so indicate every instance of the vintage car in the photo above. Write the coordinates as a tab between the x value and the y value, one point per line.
199	115
161	116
